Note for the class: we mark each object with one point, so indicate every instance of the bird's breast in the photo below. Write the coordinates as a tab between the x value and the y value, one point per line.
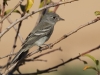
41	41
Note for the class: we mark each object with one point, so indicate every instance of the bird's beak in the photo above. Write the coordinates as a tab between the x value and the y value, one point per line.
61	19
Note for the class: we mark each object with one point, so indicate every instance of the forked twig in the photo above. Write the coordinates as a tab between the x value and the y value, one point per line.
11	11
19	35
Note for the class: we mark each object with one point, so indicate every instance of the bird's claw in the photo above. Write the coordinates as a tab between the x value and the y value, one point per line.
50	45
40	48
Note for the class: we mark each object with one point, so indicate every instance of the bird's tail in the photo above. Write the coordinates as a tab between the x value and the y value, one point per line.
22	52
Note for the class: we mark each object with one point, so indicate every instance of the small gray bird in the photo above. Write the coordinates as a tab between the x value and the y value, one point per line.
40	34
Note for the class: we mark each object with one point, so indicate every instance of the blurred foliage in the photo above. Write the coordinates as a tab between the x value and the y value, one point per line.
96	67
97	13
27	7
76	70
15	11
43	3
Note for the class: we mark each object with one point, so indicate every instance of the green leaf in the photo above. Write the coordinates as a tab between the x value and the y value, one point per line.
95	61
42	3
29	5
15	11
85	62
89	67
97	13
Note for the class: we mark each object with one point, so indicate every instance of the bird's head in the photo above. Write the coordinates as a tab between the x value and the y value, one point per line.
52	17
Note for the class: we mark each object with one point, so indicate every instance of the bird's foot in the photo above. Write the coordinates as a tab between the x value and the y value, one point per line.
48	45
40	48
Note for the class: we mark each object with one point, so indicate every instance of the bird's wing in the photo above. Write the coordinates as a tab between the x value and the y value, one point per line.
43	30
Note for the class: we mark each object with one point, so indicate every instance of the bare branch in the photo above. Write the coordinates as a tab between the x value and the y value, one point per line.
11	11
44	53
15	40
19	35
7	55
2	15
28	60
8	70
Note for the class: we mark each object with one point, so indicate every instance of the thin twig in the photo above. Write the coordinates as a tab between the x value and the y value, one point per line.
2	15
56	7
15	40
11	11
7	55
28	60
44	53
8	70
19	35
26	16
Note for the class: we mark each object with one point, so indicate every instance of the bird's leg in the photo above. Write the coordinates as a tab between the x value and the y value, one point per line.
49	45
40	47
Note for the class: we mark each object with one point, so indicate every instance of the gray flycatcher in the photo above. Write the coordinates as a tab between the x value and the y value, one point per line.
40	34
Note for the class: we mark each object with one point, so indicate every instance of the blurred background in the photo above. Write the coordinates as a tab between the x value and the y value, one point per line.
75	14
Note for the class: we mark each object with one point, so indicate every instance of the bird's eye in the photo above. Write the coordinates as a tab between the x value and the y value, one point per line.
53	17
